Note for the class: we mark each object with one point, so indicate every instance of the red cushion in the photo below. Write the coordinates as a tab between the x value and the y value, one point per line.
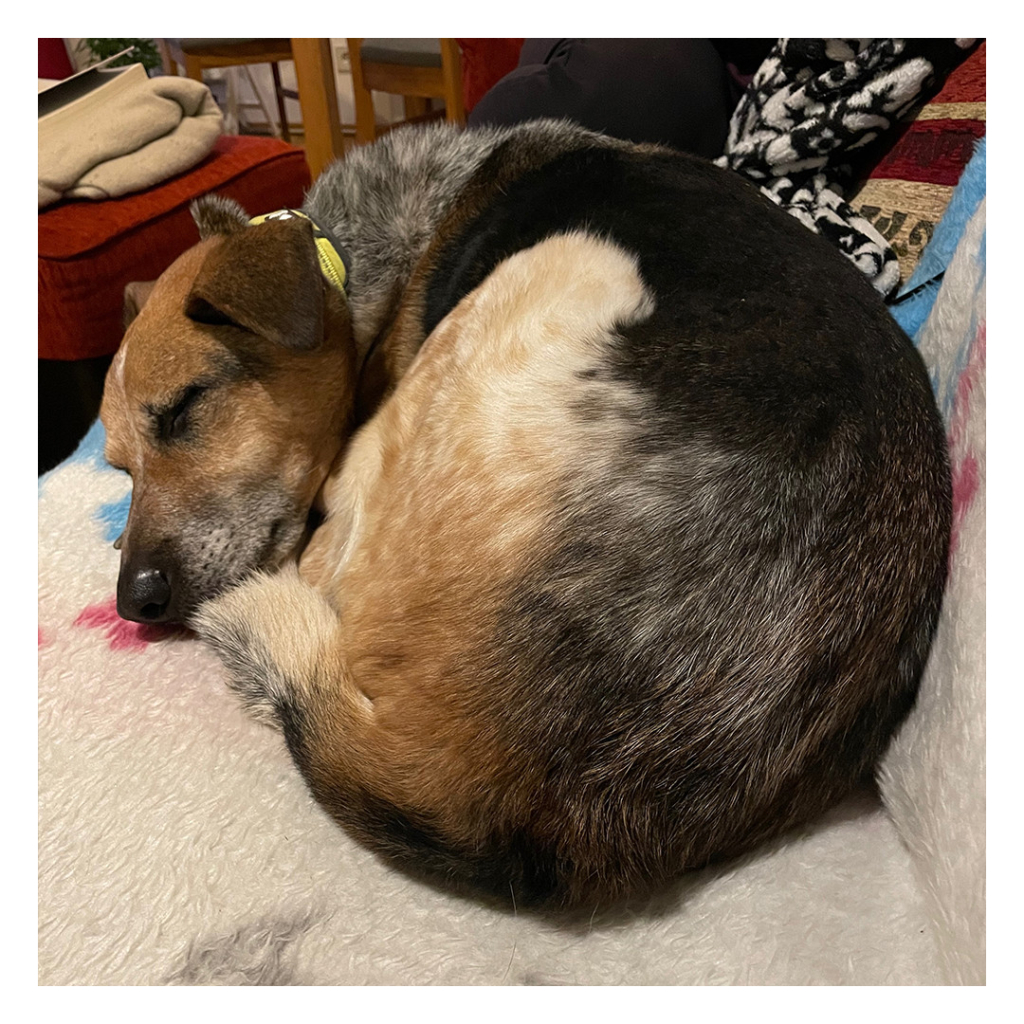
88	251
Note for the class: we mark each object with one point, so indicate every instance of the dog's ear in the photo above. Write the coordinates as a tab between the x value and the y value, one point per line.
135	295
266	280
217	215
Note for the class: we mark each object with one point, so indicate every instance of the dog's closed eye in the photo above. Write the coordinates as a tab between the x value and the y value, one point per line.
172	422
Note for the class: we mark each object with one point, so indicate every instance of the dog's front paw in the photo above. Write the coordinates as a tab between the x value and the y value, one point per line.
236	625
269	631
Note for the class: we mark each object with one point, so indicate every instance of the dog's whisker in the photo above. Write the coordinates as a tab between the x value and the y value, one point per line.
515	939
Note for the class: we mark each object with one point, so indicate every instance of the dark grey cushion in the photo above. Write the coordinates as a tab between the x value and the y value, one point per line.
419	53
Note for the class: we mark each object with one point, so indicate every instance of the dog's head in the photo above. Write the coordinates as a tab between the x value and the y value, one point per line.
228	402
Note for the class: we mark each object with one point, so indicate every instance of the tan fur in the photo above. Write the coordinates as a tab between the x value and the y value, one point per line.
263	442
401	314
268	424
441	500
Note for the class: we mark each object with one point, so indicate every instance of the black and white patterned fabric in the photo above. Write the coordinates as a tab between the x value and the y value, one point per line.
806	126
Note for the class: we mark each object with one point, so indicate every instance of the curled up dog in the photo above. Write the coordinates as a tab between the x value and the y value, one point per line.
594	527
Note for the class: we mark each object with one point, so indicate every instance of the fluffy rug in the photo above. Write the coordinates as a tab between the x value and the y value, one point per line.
178	845
933	780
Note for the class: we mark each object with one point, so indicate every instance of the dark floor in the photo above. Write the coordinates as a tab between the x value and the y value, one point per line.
69	402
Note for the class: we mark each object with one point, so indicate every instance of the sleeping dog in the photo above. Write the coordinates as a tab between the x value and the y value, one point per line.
577	515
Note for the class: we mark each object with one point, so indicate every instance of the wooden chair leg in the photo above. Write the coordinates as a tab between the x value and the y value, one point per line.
451	71
193	68
282	113
415	106
318	98
366	120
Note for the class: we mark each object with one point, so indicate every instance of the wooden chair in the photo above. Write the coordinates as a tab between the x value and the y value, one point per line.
196	55
416	69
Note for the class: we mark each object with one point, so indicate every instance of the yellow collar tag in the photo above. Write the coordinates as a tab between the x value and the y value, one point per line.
332	263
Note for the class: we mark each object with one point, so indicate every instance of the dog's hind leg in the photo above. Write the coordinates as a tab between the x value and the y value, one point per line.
284	648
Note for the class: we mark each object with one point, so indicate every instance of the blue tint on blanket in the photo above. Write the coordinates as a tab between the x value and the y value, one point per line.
912	311
90	448
114	516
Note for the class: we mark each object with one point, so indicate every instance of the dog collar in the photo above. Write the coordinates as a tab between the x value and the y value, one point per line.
333	259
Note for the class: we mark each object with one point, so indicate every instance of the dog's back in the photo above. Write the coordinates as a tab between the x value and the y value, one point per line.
640	562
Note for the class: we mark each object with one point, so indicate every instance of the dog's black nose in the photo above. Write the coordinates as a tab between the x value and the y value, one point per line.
144	596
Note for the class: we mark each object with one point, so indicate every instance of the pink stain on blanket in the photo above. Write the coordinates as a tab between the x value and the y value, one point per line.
122	635
966	475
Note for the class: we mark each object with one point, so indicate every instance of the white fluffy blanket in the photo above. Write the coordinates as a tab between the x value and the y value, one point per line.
178	845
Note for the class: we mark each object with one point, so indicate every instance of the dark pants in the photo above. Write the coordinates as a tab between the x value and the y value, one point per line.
678	92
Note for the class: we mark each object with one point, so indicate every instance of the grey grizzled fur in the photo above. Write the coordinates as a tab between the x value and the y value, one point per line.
259	953
384	202
217	215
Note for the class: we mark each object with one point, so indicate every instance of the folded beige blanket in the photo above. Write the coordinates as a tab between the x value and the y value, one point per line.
157	128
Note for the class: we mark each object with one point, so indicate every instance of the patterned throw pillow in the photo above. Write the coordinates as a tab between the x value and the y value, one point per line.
819	114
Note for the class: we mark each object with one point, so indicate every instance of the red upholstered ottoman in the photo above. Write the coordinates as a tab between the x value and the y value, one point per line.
89	251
